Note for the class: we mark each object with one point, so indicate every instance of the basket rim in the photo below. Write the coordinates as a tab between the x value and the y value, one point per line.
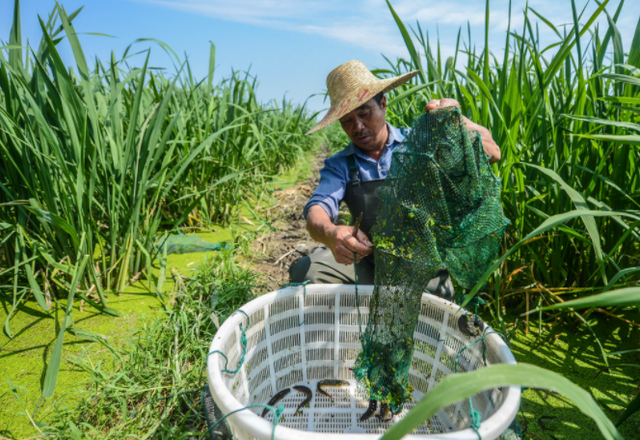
260	428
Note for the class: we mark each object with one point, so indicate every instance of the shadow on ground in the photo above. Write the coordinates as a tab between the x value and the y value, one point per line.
573	352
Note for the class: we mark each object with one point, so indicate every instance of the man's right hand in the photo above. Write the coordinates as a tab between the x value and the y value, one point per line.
343	244
339	239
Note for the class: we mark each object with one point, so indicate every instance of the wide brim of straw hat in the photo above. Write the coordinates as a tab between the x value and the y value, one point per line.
359	95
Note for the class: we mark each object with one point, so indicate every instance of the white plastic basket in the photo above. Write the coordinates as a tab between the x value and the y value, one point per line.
296	339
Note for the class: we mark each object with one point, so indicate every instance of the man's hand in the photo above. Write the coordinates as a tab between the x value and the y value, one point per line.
439	103
339	239
343	244
491	149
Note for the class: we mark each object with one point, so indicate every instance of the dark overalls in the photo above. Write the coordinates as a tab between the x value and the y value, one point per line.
322	268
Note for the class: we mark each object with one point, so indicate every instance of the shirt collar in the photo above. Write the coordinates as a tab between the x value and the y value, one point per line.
395	137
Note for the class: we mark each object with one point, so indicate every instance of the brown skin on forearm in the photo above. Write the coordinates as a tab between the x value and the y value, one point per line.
367	128
339	239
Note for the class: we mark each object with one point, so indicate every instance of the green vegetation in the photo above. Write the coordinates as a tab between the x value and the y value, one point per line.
96	164
566	118
152	382
155	383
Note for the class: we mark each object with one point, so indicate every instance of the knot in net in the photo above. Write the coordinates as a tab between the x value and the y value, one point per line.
439	209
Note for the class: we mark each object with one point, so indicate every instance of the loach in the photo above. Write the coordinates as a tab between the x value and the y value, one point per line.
307	393
275	399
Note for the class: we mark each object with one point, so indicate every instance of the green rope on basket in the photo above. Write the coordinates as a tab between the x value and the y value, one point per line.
304	291
475	302
277	413
476	418
304	283
243	342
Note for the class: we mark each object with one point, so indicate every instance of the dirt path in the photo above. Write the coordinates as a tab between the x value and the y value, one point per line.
276	250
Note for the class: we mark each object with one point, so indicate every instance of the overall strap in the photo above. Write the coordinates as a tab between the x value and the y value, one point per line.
354	175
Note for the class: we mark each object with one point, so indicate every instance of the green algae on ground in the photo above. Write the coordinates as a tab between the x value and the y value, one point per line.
23	359
573	352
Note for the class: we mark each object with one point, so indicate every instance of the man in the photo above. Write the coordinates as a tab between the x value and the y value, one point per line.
354	175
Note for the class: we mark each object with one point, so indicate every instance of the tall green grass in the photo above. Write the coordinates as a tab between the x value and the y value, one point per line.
95	163
98	160
566	118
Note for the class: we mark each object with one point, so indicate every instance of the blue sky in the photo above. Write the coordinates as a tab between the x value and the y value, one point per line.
290	44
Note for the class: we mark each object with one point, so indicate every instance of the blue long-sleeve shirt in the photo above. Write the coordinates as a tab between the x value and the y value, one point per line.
334	176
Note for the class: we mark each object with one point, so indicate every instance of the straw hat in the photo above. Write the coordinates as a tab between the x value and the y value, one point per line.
350	85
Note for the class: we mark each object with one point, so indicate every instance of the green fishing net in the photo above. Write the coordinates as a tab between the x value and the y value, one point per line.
185	244
439	208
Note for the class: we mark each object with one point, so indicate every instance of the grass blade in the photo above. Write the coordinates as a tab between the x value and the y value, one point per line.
456	387
51	376
415	57
631	409
629	296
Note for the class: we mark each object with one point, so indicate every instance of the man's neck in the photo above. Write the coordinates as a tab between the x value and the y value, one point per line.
376	153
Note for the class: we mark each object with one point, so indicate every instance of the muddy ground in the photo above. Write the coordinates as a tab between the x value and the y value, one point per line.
276	250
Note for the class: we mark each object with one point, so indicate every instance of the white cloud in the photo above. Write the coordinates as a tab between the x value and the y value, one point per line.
360	35
368	24
245	11
367	27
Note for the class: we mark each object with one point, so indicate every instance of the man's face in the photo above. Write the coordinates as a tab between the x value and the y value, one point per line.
366	125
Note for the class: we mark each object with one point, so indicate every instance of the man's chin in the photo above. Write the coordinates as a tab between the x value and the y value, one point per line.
365	143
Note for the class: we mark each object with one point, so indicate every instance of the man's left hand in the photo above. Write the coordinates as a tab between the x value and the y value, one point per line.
491	149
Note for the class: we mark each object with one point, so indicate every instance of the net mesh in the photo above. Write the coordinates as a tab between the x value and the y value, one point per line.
439	209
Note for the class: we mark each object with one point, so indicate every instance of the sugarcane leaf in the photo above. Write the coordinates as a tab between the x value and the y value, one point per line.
608	122
55	220
548	224
631	409
456	387
631	139
35	288
579	203
410	92
622	78
51	376
621	99
618	353
620	274
415	56
98	306
85	334
629	296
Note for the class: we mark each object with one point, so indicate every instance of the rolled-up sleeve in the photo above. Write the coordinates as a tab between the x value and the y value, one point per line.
330	190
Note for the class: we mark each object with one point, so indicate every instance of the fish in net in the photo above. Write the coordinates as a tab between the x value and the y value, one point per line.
439	209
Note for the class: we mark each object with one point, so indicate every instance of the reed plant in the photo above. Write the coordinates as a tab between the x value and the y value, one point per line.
98	161
566	118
